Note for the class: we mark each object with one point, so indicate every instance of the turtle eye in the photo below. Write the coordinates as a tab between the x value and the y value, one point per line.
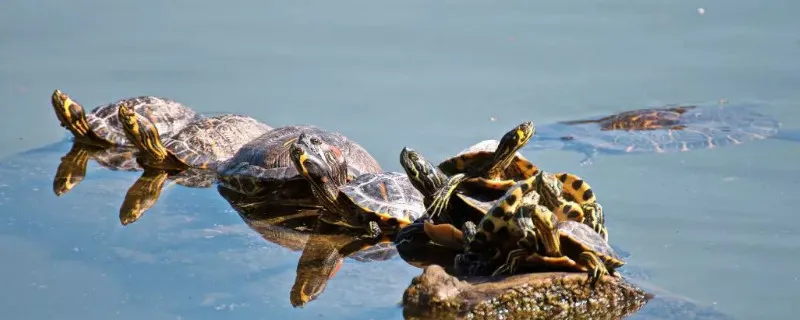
316	141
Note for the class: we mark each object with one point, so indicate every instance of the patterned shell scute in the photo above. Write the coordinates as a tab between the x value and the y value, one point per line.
389	193
271	150
582	234
168	116
211	140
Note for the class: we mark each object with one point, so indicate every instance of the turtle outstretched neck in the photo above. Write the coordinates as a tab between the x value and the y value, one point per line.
507	148
72	116
142	133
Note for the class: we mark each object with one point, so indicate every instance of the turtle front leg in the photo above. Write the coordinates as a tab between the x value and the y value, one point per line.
441	198
594	265
595	218
511	262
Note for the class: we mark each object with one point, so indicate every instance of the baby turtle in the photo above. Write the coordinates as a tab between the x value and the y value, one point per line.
427	178
262	168
564	244
378	202
489	164
100	127
657	130
201	144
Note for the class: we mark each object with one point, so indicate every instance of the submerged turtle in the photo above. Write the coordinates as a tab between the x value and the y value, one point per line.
72	168
378	202
657	130
262	168
564	244
489	165
201	144
100	127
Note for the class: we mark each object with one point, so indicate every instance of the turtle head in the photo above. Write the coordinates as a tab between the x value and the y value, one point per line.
141	132
72	117
549	189
546	223
425	176
322	164
511	142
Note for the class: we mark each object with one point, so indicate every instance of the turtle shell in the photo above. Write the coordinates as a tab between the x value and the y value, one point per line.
387	197
577	237
481	153
263	165
167	115
207	142
658	130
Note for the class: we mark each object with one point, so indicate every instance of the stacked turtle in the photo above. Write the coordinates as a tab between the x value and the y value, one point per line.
506	214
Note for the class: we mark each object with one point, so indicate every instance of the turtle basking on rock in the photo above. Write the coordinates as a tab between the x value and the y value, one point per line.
101	127
487	165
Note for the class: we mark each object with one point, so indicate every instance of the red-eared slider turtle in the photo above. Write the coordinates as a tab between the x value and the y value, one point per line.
262	168
489	164
72	168
201	144
563	244
428	179
655	130
101	127
378	202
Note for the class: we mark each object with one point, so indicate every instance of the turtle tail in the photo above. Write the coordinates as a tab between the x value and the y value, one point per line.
142	133
73	117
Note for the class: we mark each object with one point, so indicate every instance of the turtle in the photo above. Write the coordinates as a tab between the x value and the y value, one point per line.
428	178
489	164
671	128
380	203
201	144
144	193
72	168
564	244
262	167
101	127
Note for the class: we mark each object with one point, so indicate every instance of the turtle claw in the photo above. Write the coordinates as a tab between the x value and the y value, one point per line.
512	260
596	268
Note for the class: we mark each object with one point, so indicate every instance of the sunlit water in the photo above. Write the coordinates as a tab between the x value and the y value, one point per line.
714	225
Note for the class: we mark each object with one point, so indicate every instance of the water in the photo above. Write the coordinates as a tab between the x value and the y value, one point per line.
712	225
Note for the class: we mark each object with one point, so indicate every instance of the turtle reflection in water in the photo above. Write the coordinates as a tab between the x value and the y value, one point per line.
72	169
297	228
144	193
658	130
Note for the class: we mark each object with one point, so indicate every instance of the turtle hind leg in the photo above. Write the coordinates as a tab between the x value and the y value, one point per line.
596	268
441	197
